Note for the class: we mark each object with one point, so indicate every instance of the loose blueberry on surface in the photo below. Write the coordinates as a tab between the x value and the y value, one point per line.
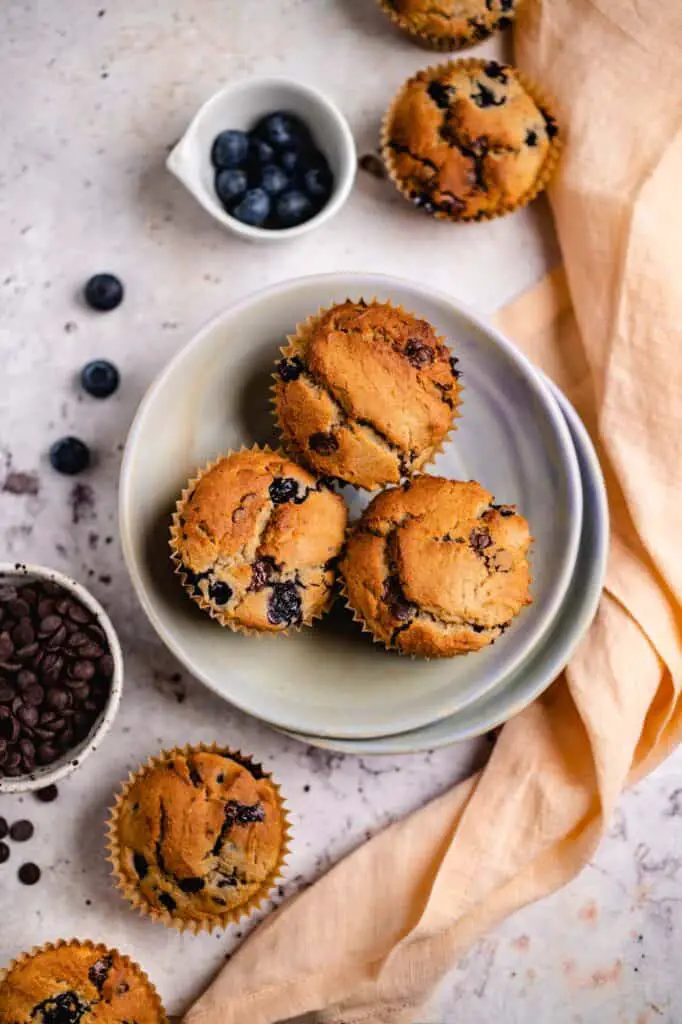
103	292
283	131
318	184
254	208
100	378
69	455
260	151
231	183
229	149
292	207
273	179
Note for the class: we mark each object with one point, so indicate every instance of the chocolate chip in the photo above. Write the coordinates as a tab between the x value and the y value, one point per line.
283	489
244	814
26	678
418	353
47	794
28	754
46	753
21	831
476	628
33	695
4	828
442	95
290	369
394	597
58	699
191	885
29	874
7	693
262	571
23	633
284	605
6	647
78	613
374	165
106	666
27	715
479	540
49	625
4	853
323	444
140	865
9	726
167	901
18	608
220	592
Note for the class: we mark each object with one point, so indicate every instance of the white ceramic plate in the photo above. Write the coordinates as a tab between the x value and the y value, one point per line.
331	680
550	657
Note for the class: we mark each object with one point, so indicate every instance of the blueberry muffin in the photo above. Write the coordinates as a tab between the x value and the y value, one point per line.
77	983
434	568
470	140
450	24
366	393
255	540
198	837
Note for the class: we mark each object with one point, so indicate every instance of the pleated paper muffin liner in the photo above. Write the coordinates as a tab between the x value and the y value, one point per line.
98	948
223	617
546	171
221	919
444	44
298	342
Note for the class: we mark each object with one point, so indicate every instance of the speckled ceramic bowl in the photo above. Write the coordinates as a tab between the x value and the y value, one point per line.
18	573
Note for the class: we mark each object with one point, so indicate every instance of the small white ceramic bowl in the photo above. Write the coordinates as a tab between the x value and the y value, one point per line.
18	574
240	106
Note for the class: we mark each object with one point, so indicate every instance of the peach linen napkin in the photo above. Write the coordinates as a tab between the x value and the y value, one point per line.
371	939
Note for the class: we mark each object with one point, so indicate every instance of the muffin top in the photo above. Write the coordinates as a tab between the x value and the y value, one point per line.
451	24
435	568
255	540
199	834
466	140
366	393
75	983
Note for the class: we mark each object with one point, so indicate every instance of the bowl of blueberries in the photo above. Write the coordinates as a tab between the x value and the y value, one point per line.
268	158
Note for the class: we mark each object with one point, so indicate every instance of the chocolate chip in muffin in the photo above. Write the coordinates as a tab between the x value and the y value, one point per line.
244	814
418	353
323	444
290	369
167	901
395	598
140	865
479	540
283	489
284	605
191	885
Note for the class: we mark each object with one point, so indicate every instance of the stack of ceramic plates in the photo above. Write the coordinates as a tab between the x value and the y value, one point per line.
330	685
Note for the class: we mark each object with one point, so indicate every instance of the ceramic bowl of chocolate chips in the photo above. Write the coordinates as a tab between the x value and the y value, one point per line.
61	675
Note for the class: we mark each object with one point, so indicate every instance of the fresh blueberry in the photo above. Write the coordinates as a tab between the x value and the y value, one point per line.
273	179
100	378
292	207
254	208
104	292
230	184
292	161
318	184
69	455
260	151
229	149
283	131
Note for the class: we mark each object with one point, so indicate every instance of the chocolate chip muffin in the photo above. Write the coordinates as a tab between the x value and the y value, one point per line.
198	837
470	140
366	393
77	983
434	568
255	540
450	24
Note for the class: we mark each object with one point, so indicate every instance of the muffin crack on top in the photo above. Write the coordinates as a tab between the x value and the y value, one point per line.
366	393
255	539
470	140
436	568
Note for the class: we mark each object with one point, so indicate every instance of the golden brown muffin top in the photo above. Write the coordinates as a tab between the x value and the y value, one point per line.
78	984
467	140
199	834
435	568
450	24
255	539
367	392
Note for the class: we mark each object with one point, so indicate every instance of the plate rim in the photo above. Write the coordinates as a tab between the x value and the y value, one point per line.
330	280
585	617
